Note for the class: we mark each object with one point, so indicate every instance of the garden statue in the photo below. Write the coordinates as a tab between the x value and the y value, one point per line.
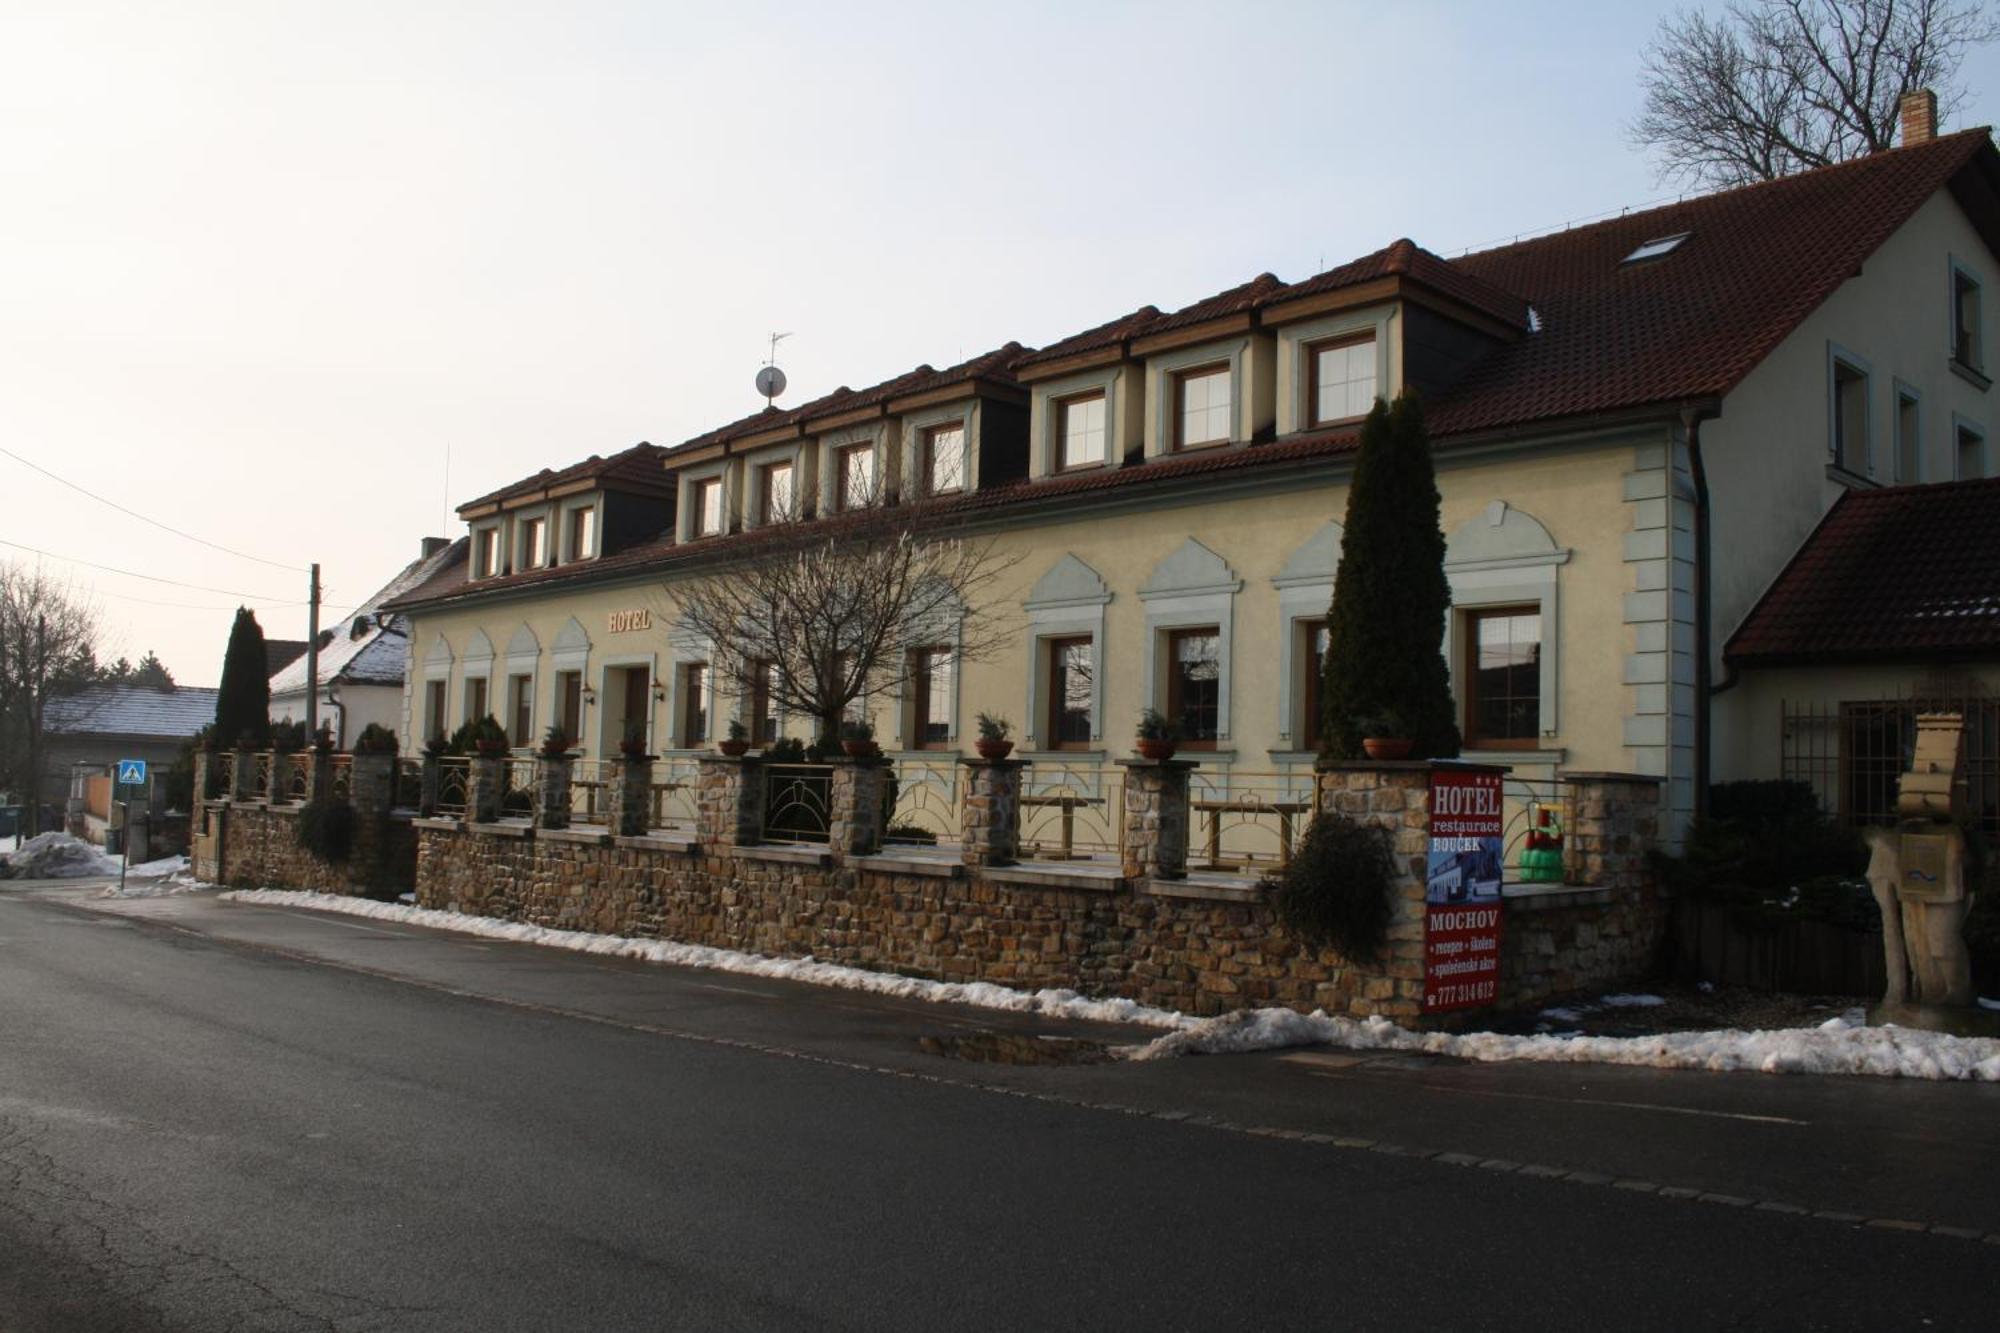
1917	872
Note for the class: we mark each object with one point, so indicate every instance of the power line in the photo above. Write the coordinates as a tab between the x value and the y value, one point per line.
133	513
150	578
192	606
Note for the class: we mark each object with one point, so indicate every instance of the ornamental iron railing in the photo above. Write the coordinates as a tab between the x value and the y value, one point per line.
1072	812
922	801
798	802
1245	821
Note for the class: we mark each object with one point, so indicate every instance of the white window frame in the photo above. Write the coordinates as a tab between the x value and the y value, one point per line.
497	528
917	427
753	481
1162	376
1067	603
521	519
1836	357
687	528
1045	420
872	435
1295	343
569	510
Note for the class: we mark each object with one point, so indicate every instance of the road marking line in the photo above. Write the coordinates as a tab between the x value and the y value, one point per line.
1598	1101
332	920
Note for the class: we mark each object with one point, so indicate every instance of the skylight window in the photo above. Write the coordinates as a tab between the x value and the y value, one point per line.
1659	245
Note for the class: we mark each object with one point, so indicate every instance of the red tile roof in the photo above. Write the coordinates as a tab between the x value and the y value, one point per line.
1910	573
1693	323
1108	334
634	469
1405	258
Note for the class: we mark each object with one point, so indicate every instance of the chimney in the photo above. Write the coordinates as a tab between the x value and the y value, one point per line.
432	545
1919	115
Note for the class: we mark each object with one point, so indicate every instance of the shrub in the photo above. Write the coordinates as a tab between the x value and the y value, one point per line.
993	728
243	704
289	737
375	739
786	750
1340	888
1157	726
326	829
909	833
1767	846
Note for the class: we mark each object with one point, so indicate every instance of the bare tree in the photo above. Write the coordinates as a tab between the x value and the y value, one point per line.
47	647
1771	87
827	616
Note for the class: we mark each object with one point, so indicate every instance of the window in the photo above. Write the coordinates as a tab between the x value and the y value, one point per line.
930	698
1080	432
433	708
582	532
521	707
1201	407
534	543
1341	385
638	701
1971	452
1313	649
944	458
1965	330
763	718
856	476
569	694
1909	438
774	493
708	507
475	698
694	703
1503	706
1071	672
487	563
1850	418
1194	685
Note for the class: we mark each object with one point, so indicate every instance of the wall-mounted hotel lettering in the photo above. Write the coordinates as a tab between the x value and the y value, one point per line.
626	622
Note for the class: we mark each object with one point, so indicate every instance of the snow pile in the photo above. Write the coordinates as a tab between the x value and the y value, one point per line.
982	994
166	865
1837	1046
59	856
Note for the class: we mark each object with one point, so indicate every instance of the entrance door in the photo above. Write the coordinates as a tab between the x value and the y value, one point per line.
638	700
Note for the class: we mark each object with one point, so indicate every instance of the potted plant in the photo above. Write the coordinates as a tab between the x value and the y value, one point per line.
858	739
994	737
323	738
438	746
633	744
1157	735
555	745
739	740
489	738
1384	735
288	737
374	739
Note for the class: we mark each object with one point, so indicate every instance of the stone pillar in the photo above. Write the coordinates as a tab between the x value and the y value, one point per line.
989	819
202	767
632	796
855	819
243	784
372	784
1610	822
552	779
1395	795
729	800
319	773
486	784
1156	818
429	781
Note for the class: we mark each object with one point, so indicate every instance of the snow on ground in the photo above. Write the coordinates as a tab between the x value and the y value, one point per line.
166	865
1629	1001
1837	1046
59	856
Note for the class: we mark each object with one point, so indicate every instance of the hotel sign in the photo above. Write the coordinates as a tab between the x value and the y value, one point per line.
1462	903
627	622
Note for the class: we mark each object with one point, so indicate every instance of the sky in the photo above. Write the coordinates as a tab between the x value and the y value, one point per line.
298	279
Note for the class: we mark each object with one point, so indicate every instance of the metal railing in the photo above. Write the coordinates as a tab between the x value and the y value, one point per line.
1246	821
1853	754
591	783
1538	815
1072	812
222	775
670	804
923	801
517	787
262	763
454	784
340	777
798	802
409	785
294	774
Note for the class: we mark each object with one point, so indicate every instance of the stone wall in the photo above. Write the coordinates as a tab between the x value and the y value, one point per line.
259	848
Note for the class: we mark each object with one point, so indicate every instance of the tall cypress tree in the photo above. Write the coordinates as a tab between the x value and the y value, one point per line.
243	704
1385	667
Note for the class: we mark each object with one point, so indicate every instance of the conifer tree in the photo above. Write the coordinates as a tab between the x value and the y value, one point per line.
243	705
1385	667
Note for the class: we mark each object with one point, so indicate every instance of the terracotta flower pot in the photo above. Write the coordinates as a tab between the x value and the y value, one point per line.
1156	750
734	749
993	749
492	749
1383	747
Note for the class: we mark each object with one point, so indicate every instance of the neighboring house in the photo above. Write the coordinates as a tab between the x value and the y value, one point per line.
1636	424
102	724
281	653
1890	609
361	661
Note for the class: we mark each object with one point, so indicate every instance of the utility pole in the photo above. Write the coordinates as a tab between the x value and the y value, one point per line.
312	655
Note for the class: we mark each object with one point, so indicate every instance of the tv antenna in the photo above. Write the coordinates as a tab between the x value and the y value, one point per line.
770	379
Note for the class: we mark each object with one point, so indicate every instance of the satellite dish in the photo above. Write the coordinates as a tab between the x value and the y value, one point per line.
770	382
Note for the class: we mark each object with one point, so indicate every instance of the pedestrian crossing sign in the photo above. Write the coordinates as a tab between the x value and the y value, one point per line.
131	772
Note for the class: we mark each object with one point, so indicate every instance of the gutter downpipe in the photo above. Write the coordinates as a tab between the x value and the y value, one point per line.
1691	419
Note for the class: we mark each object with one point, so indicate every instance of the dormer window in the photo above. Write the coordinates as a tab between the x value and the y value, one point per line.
708	507
534	543
486	553
1341	384
944	459
855	476
1080	431
776	493
1201	407
582	533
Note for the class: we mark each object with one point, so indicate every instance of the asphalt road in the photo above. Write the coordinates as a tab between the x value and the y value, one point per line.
216	1116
